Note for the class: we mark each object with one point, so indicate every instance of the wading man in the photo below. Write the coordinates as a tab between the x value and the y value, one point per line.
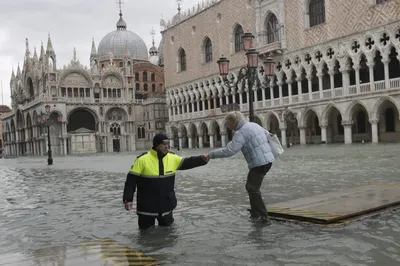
153	173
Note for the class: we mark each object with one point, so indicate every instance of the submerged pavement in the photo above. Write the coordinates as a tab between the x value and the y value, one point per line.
79	199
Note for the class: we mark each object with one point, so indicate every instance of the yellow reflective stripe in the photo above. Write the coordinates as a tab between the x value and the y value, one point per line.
153	213
157	176
134	173
179	166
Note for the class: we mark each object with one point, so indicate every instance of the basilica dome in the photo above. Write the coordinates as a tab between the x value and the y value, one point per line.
117	41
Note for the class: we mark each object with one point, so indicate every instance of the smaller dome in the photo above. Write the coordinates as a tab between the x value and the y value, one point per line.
121	24
154	60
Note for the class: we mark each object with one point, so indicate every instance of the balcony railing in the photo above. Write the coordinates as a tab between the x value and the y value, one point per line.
329	94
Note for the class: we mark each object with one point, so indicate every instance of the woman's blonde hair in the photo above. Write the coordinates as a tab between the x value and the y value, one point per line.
233	118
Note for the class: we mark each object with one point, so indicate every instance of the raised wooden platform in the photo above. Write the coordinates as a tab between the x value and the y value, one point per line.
102	251
338	207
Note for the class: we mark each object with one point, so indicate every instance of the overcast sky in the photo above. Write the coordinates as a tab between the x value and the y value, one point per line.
72	23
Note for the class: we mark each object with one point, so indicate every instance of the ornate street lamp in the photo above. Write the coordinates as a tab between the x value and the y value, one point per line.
45	118
249	72
247	39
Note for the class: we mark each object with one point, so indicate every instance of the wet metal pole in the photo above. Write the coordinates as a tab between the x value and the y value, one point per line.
49	153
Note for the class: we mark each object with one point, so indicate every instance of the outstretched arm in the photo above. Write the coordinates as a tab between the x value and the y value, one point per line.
232	148
192	162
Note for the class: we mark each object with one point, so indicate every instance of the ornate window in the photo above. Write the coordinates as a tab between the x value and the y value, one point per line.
182	60
115	129
272	27
145	87
316	12
137	86
153	77
136	76
153	87
208	50
144	75
141	132
238	39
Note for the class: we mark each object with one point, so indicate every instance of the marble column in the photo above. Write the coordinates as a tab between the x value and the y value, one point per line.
374	128
302	135
283	137
348	138
323	134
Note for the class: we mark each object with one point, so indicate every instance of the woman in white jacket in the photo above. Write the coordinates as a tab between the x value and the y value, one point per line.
251	139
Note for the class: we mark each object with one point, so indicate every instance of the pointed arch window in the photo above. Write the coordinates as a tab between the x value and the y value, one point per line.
208	50
316	12
272	29
182	60
238	39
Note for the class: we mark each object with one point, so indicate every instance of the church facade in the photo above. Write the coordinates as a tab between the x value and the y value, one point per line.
116	104
336	76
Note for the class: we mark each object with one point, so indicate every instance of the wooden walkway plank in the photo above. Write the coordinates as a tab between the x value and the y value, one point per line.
335	207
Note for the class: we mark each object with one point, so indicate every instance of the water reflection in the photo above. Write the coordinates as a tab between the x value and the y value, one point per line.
80	198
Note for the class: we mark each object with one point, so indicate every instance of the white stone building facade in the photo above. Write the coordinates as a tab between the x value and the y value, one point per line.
337	76
89	110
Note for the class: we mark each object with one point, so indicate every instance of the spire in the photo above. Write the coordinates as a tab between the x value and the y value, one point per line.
41	52
179	2
121	24
49	49
12	74
93	53
35	57
153	49
27	52
18	71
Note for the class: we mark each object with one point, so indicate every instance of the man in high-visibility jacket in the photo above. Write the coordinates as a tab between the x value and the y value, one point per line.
153	173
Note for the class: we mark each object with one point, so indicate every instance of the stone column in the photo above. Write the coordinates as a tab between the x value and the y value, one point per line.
211	141
309	79
289	82
302	135
332	82
201	142
323	134
348	138
190	141
357	71
370	65
374	129
271	92
283	137
280	92
180	142
65	146
223	139
385	61
320	84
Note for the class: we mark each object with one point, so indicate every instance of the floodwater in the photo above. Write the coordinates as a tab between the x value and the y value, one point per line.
80	198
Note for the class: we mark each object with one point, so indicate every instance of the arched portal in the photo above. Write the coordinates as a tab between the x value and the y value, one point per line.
81	118
313	129
174	137
204	134
194	140
184	135
257	120
215	139
334	130
292	129
361	129
273	125
389	124
115	131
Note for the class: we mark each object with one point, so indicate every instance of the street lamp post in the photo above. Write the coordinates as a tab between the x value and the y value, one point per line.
248	72
46	119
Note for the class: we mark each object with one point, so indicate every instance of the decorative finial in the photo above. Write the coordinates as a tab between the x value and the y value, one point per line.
179	2
74	54
153	33
120	2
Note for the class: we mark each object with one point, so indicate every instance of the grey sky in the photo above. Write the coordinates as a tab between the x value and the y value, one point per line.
72	23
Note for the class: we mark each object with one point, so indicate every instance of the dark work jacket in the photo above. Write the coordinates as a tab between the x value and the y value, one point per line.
154	177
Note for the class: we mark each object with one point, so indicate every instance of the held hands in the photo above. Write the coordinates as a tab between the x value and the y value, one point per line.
206	157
